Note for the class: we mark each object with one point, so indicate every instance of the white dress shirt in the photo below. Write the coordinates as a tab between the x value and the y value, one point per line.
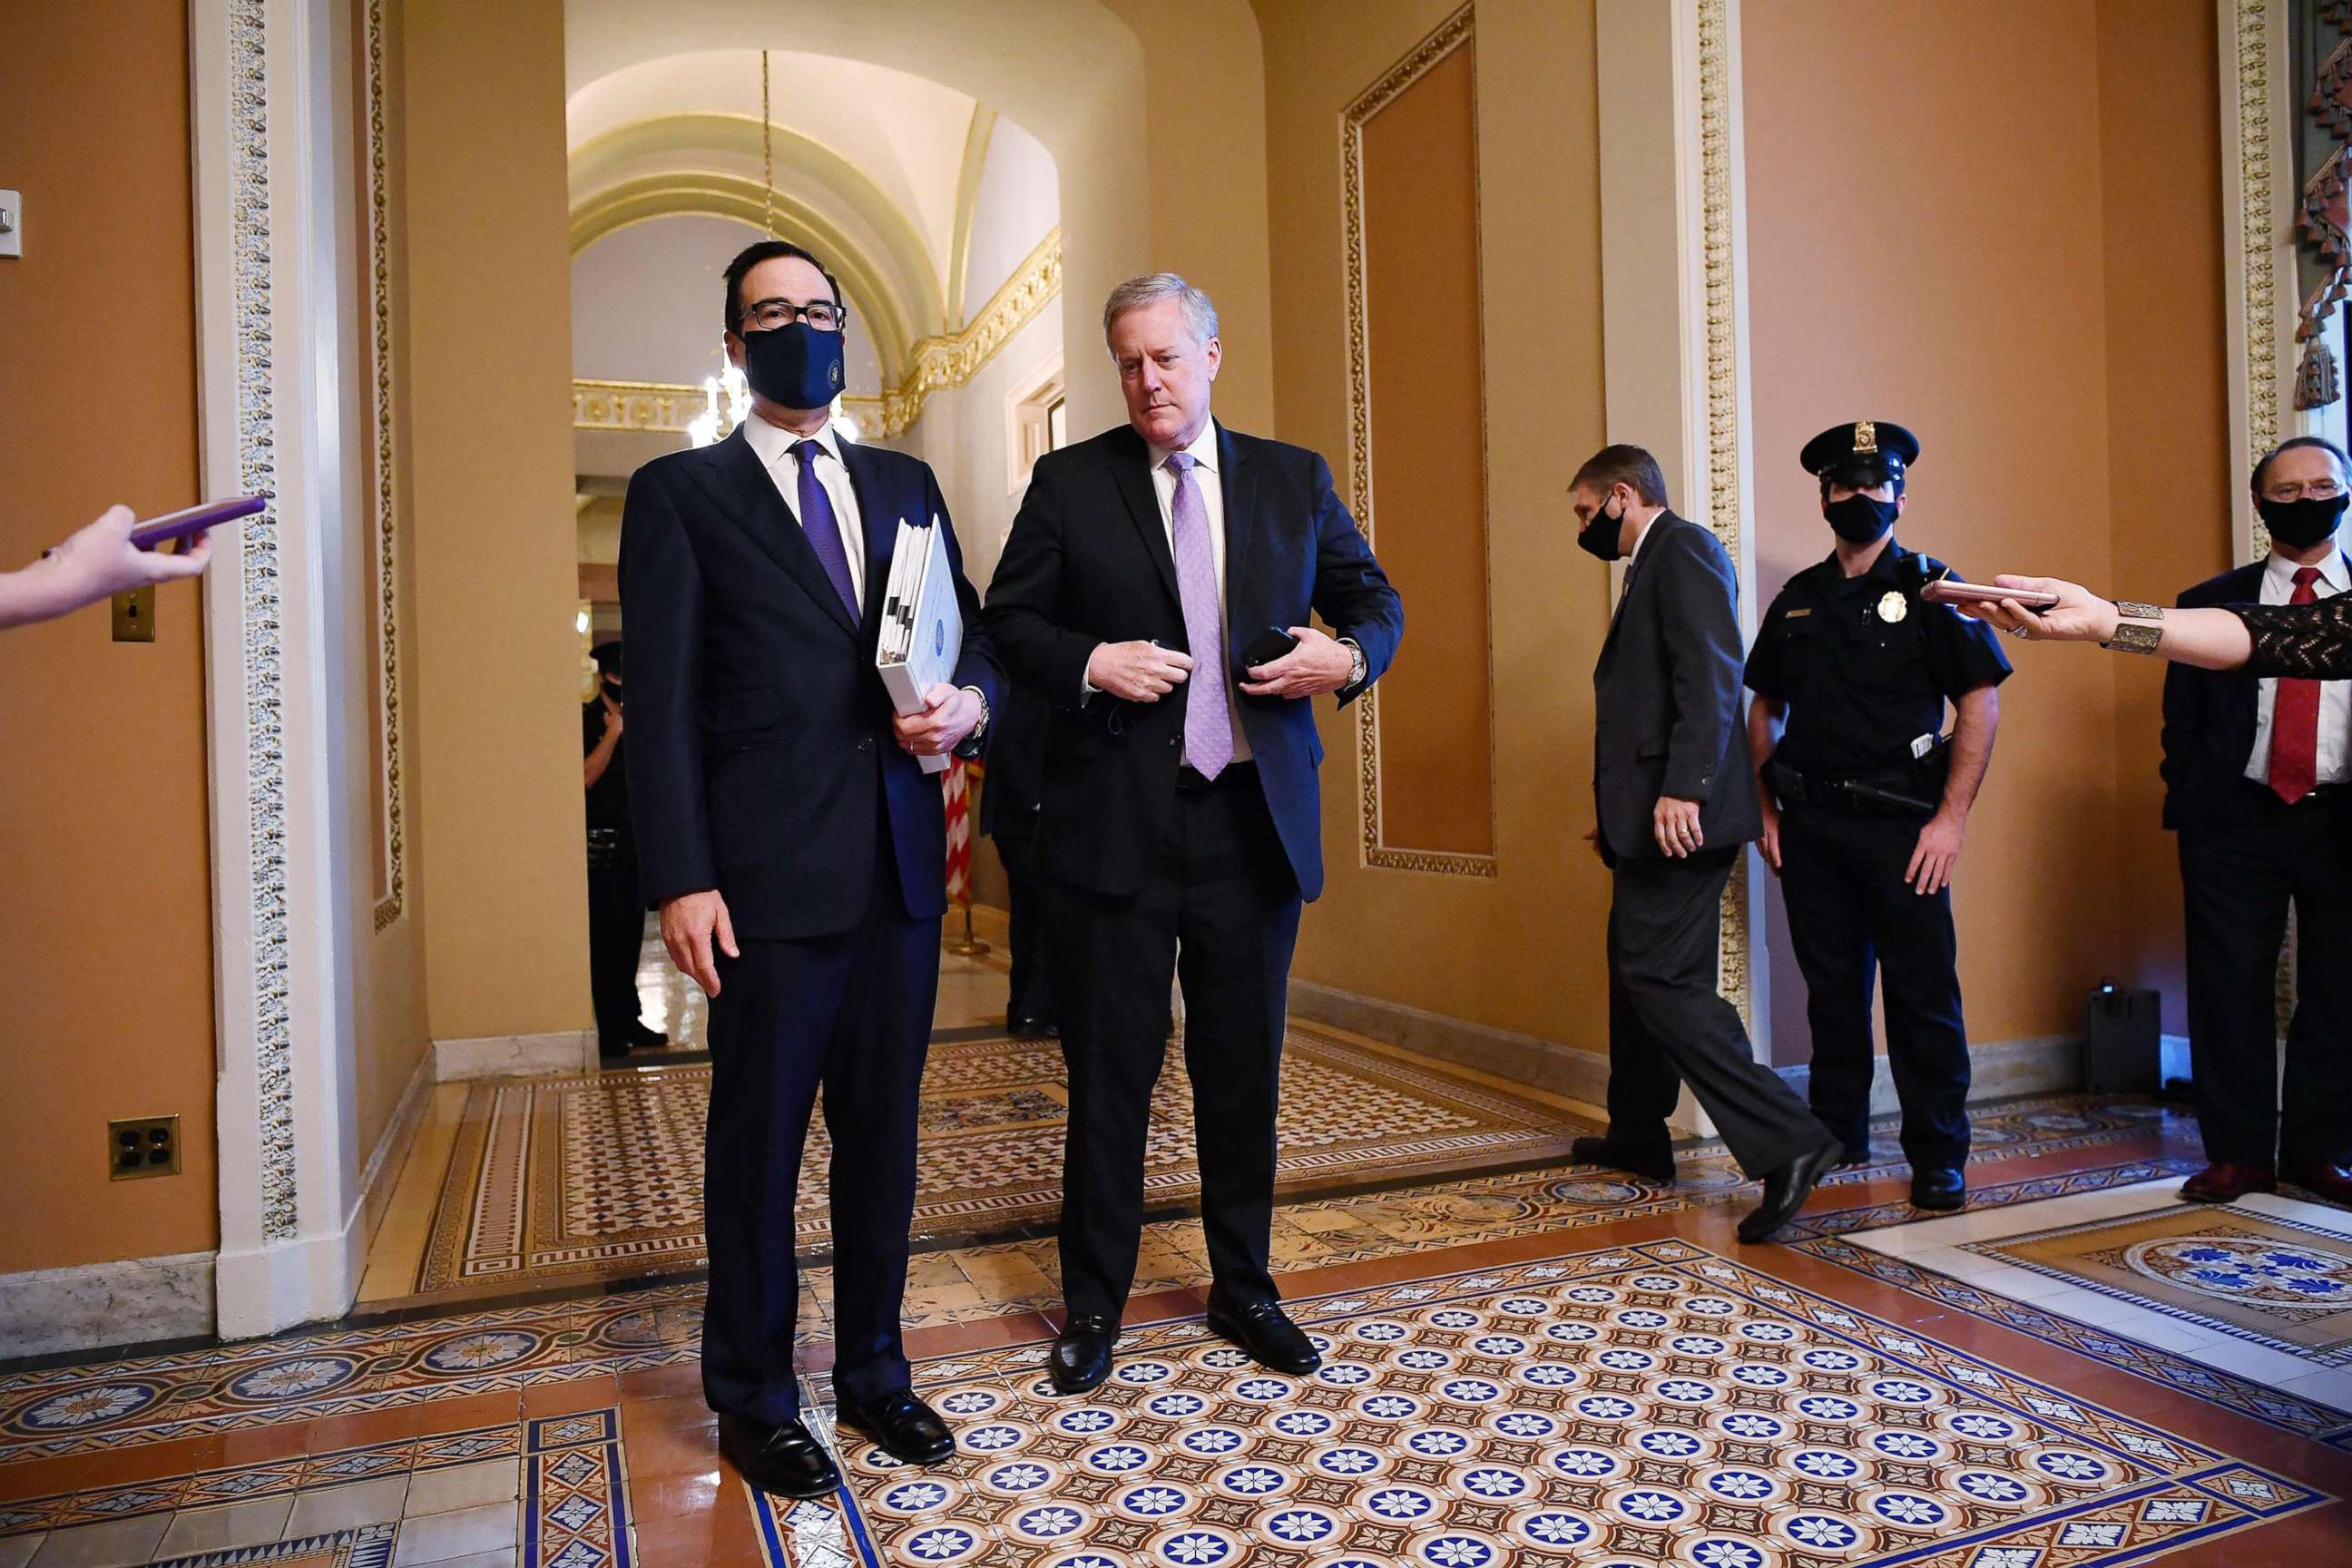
2334	696
774	445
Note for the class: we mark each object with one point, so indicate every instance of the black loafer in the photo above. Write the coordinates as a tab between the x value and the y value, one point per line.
1786	1190
1272	1341
1654	1167
1939	1188
784	1460
908	1430
1081	1354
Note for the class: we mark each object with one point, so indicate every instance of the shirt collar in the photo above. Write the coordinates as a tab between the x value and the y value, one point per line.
1203	449
1881	570
1642	537
2332	571
774	443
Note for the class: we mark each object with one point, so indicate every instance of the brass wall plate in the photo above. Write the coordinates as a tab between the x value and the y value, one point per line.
134	614
142	1146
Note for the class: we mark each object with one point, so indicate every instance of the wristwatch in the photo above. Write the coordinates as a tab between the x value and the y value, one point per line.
1358	667
981	728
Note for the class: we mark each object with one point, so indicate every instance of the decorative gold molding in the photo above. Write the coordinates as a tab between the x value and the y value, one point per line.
940	364
384	533
685	146
2257	242
1721	287
1449	35
882	312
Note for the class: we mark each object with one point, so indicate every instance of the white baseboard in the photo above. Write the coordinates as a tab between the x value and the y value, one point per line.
1998	1069
514	1056
46	1311
382	1172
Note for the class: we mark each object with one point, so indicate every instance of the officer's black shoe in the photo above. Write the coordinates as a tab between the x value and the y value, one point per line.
644	1039
784	1460
908	1430
1786	1190
1081	1353
1656	1168
1939	1188
1034	1029
1272	1341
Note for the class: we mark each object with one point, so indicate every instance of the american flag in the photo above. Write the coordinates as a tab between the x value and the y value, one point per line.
958	835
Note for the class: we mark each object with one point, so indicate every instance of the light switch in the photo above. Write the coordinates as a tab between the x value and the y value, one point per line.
12	223
134	613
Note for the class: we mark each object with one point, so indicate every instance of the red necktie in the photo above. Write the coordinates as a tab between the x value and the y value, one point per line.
2295	718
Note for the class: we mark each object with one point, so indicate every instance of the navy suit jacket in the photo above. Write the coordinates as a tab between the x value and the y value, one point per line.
2209	719
761	758
1088	562
1666	692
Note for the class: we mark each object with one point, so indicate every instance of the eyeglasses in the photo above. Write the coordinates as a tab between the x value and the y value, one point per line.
824	316
2317	489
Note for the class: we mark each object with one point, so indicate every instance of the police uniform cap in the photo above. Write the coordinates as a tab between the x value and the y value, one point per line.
1866	452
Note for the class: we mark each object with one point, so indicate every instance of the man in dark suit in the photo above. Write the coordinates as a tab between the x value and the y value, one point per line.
1008	815
1676	799
797	851
1180	797
2257	783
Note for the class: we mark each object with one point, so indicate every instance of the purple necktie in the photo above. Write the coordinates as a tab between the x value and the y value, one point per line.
823	529
1208	710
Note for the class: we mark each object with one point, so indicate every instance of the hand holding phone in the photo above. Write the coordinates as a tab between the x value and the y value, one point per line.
1952	591
1266	647
192	521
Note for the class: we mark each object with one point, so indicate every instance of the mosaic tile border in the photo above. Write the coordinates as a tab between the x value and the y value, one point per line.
575	1499
2005	1195
2169	1491
2339	1355
2239	1396
369	1546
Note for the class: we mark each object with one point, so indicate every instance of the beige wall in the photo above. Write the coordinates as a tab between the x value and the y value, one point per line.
1521	951
2001	230
489	348
106	957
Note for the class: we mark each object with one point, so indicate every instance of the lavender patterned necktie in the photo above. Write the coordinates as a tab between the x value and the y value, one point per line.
823	528
1208	709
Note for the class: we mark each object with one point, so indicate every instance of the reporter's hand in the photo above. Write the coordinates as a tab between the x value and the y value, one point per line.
1674	823
1321	663
2079	615
690	923
954	713
1930	870
1137	671
1768	843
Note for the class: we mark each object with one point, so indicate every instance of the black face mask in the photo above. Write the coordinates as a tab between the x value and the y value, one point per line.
1599	537
2303	522
1859	519
796	366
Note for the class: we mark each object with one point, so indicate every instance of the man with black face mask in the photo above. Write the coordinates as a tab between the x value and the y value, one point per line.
798	853
2257	783
1866	800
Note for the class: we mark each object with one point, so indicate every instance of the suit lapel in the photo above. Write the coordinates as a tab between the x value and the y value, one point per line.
1130	460
1241	524
735	478
879	516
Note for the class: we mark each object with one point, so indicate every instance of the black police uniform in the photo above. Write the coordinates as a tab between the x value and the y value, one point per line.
617	910
1864	665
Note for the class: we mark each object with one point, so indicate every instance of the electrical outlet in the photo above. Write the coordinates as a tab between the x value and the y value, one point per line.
142	1146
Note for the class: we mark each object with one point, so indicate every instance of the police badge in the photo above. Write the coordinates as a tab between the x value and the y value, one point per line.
1892	607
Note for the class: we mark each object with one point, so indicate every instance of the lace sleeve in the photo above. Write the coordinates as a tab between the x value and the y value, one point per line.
2308	642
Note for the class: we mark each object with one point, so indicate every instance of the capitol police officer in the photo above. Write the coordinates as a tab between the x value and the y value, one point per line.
1867	801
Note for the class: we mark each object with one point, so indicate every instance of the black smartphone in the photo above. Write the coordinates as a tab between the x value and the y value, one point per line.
1266	647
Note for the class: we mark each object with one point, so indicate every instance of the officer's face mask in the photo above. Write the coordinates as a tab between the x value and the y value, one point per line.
1859	519
1599	535
796	365
2304	521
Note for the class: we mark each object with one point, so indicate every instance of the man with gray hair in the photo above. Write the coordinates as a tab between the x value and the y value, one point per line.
1156	587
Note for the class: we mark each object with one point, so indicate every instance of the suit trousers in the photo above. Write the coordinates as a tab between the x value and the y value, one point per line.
1668	1023
1853	921
1030	994
850	1014
2238	880
616	940
1223	896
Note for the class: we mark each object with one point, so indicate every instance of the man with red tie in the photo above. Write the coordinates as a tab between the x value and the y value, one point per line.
2258	776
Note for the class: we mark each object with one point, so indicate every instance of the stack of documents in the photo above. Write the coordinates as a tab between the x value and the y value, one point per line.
921	637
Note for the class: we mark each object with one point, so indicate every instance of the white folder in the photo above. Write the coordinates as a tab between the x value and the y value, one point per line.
921	637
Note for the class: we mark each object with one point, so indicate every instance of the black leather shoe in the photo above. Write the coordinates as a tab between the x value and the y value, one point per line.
1081	1355
1034	1029
1939	1188
1786	1190
784	1460
1659	1171
908	1430
1272	1341
644	1039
